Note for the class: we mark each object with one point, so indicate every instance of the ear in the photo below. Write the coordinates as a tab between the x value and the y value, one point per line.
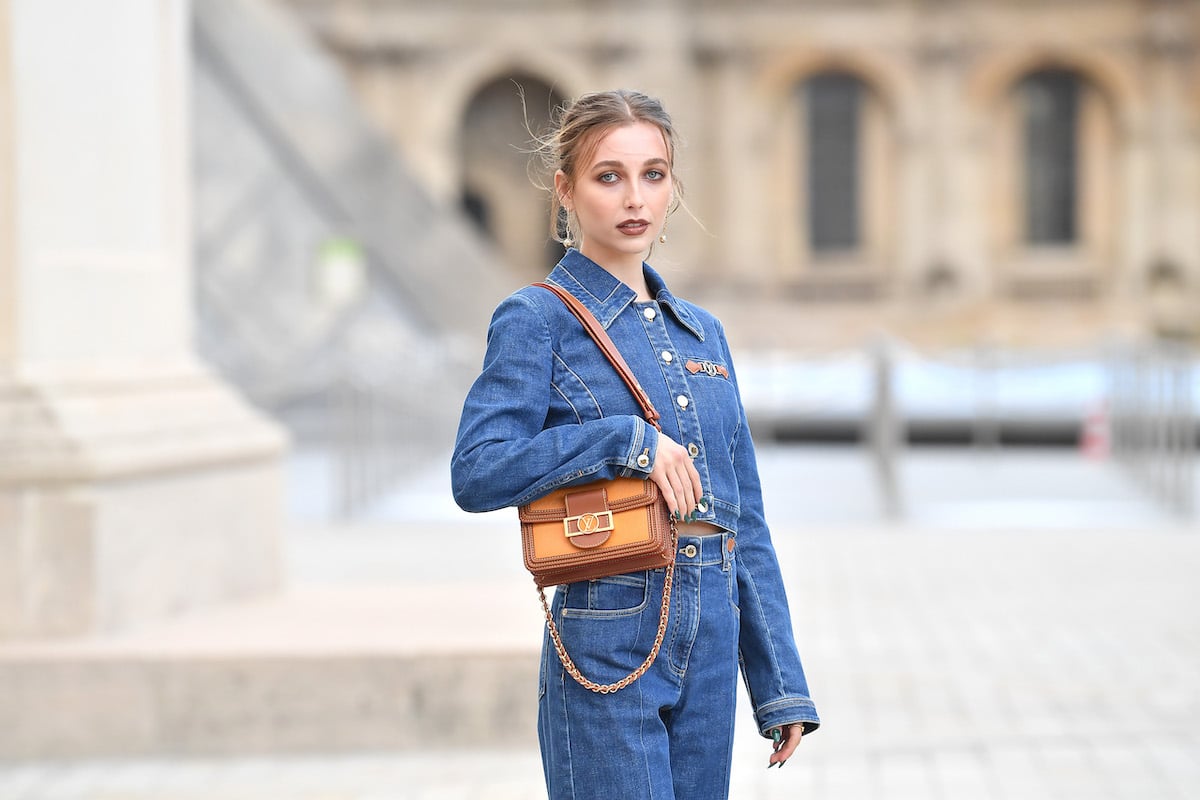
562	188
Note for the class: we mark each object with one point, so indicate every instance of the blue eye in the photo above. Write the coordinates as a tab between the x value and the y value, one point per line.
608	177
655	175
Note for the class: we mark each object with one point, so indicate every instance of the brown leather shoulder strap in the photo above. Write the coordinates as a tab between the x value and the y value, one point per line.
605	343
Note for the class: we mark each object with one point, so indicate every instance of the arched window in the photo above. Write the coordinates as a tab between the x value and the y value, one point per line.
1055	182
497	188
1048	105
833	123
833	223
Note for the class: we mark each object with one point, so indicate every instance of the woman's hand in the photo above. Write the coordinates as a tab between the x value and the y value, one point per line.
785	741
676	476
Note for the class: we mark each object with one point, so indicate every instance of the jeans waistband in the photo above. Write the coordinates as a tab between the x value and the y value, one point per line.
697	551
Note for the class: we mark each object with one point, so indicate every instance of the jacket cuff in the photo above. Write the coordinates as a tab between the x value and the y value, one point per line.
643	448
787	711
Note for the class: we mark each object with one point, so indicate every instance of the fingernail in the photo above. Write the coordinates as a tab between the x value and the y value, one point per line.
777	735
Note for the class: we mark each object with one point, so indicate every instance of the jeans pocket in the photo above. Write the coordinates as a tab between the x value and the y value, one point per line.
608	625
614	596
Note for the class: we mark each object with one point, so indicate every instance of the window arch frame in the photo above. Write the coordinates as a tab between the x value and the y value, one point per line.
869	268
1088	265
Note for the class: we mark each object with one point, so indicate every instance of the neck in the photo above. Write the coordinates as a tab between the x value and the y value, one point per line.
636	280
632	275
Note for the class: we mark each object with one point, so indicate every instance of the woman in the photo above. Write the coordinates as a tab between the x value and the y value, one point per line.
548	411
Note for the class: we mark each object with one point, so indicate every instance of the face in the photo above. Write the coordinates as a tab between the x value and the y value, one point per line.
621	195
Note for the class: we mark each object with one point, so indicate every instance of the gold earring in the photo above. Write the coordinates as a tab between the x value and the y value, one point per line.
662	237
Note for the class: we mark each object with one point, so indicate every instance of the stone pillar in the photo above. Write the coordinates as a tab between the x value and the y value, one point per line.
1171	55
947	212
133	483
742	215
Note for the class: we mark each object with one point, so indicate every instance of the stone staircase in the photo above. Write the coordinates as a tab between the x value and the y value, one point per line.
402	658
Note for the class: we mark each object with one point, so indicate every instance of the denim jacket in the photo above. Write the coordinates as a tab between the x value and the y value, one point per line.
548	411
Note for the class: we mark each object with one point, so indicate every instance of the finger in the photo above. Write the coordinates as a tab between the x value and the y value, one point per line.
691	488
681	484
673	493
687	503
693	479
792	735
665	490
677	495
660	479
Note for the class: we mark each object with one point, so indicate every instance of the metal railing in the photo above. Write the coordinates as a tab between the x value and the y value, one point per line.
379	434
1153	416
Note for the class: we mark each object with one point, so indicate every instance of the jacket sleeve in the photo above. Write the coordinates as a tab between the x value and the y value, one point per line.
770	660
503	455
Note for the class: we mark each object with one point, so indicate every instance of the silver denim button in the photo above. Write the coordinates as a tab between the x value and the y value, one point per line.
666	356
690	551
682	400
702	506
643	461
649	313
693	450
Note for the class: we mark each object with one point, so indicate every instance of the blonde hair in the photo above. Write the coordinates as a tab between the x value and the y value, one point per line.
578	129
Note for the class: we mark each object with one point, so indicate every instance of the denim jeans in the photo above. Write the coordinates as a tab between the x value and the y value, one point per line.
669	735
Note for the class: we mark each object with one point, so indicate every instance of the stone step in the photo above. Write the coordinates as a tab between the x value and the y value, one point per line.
317	669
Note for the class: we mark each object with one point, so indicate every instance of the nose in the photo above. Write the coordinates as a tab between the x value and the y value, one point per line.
633	196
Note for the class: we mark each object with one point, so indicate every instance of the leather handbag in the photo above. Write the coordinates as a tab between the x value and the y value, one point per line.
602	528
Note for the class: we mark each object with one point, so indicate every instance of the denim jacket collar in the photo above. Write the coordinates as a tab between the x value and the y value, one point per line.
606	297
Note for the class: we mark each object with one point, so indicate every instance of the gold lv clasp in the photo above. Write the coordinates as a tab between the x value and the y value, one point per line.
587	523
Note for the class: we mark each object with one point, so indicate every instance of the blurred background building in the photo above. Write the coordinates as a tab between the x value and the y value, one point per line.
995	198
955	171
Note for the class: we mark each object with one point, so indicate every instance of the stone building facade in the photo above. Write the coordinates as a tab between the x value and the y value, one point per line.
953	171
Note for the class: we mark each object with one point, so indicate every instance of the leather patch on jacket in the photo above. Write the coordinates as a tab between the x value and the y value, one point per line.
710	368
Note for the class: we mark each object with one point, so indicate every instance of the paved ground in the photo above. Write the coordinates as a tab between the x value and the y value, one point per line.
1029	631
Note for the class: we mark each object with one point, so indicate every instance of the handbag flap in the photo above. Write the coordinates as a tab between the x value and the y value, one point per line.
621	494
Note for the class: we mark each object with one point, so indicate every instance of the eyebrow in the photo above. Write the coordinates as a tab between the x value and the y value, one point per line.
621	164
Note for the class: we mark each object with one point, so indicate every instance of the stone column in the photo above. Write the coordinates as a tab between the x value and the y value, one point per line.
946	226
133	483
1171	54
742	211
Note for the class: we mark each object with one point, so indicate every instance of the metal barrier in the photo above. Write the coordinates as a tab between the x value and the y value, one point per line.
885	428
1153	417
382	431
367	446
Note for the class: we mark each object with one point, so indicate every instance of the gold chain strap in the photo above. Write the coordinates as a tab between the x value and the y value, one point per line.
608	688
